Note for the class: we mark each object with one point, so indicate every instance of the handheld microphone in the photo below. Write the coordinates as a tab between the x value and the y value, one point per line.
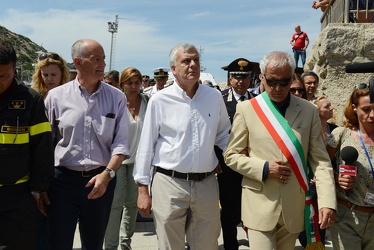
349	155
367	67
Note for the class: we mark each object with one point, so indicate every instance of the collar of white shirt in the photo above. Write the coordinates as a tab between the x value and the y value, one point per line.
237	96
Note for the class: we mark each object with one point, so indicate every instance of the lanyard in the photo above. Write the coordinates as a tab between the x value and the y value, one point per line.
366	152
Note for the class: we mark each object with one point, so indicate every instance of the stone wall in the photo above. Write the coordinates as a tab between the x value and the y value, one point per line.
337	46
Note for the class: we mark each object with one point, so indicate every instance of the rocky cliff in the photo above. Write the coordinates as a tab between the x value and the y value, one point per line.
337	46
26	51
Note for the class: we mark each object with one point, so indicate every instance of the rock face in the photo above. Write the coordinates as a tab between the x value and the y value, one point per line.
337	46
25	49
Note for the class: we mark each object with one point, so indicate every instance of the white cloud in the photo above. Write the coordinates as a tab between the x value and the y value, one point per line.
148	29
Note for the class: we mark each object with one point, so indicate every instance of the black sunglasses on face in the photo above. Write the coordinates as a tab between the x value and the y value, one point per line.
53	56
294	90
282	82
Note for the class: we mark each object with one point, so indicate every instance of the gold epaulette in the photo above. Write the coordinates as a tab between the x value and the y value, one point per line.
147	88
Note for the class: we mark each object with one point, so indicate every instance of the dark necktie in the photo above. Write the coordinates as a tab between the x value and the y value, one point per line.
242	98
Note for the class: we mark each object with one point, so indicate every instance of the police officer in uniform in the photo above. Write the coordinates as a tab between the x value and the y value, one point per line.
230	189
161	76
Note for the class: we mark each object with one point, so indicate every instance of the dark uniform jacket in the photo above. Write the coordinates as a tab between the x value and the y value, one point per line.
26	151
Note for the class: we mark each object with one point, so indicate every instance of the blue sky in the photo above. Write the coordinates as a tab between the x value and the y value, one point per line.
148	29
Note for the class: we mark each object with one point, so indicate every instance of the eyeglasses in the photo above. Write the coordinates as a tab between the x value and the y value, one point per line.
282	82
294	90
362	86
53	56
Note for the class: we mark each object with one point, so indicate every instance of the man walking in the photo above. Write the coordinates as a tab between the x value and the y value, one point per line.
230	181
178	145
90	122
26	158
281	133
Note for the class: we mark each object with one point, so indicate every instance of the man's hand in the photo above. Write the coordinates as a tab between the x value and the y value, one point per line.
42	201
218	169
100	182
346	181
144	200
326	217
279	171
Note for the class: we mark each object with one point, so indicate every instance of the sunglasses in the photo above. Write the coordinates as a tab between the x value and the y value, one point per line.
53	56
362	86
282	82
294	90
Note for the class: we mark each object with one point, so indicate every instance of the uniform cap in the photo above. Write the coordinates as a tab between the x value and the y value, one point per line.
145	78
160	72
239	67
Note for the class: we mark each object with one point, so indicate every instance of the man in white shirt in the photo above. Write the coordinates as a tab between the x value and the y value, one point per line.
178	146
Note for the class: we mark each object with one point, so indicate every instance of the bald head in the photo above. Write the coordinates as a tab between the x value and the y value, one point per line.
81	47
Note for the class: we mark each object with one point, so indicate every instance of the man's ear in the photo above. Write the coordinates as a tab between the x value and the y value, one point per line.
77	61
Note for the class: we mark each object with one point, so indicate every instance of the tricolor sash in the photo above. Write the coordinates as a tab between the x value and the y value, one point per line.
283	136
290	146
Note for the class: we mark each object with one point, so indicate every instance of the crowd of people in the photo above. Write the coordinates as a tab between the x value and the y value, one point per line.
81	147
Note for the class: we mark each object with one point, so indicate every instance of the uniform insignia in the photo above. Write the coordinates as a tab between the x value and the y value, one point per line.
14	130
242	64
17	104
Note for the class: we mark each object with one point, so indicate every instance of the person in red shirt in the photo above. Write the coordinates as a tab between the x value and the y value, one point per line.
299	42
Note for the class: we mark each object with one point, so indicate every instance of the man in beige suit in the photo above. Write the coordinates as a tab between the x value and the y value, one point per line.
274	182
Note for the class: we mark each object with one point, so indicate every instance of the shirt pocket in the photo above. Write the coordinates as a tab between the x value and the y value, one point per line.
104	128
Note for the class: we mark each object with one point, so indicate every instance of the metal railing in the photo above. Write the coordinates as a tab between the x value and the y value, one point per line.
348	11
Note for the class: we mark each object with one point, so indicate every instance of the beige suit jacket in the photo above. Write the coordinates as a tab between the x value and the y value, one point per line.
264	201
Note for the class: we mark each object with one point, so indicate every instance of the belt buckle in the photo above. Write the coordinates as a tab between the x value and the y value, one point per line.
85	174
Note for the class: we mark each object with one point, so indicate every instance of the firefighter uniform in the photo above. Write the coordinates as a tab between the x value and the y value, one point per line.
26	163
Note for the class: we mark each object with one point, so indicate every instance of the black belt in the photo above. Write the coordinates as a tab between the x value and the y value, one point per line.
184	176
89	173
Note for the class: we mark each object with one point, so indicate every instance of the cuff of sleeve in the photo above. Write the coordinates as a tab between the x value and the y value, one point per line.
265	172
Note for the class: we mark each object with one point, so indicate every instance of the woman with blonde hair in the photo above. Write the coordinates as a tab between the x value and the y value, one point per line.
50	71
326	112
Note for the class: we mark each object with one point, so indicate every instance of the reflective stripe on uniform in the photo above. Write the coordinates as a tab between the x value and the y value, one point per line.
40	128
23	138
22	180
6	138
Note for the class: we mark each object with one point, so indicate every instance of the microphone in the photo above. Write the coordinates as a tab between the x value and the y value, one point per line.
349	155
367	67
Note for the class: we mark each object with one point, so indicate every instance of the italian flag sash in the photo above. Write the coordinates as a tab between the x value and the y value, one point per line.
286	140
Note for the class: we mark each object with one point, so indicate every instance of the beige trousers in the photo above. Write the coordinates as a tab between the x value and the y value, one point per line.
186	210
277	239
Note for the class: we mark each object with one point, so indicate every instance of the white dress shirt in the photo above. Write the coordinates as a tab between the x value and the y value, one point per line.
179	133
237	96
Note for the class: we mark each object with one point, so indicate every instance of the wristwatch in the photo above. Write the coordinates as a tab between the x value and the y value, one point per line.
36	195
111	173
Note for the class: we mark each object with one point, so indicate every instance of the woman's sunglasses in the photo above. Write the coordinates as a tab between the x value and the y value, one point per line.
294	90
53	56
362	86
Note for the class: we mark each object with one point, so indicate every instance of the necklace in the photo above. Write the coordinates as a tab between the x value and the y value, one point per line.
129	107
